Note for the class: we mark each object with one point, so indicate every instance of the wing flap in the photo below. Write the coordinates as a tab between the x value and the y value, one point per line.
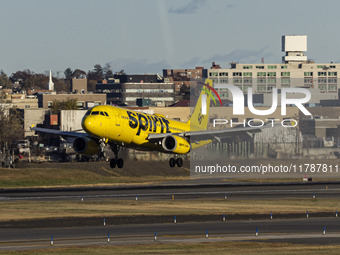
223	133
210	134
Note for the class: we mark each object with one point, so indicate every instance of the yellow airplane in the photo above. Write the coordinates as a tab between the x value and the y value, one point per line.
120	127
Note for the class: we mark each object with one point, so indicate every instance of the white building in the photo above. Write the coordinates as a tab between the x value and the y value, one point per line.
294	71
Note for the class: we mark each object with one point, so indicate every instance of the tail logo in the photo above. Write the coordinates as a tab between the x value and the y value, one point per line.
207	89
209	93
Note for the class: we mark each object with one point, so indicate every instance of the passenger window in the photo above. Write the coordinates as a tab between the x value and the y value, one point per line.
106	114
101	113
95	113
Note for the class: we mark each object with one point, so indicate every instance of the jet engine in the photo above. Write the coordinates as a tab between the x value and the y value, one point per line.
86	146
175	144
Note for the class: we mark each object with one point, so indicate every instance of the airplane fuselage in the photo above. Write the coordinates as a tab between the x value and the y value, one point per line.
129	128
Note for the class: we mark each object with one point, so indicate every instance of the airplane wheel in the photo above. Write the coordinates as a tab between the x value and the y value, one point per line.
172	162
120	163
179	162
113	163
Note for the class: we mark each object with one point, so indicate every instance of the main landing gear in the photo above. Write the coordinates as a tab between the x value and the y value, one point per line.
119	162
176	161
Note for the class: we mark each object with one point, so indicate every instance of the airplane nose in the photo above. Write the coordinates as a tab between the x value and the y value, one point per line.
88	124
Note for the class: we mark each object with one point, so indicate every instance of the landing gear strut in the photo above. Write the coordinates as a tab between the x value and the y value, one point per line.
176	161
119	162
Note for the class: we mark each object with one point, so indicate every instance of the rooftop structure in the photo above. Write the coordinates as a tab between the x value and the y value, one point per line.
50	83
294	46
79	86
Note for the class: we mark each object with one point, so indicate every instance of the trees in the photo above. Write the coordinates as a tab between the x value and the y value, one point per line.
68	73
68	104
29	80
91	85
11	127
121	72
79	74
21	77
97	74
61	85
107	71
5	83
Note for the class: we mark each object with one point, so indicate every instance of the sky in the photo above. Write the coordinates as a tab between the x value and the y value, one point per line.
150	35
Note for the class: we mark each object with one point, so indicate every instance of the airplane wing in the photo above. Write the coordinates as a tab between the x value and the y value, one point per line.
196	136
58	132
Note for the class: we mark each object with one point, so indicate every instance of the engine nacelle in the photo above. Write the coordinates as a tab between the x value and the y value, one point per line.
175	144
86	146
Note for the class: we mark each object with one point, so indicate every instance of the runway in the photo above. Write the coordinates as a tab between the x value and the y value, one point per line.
160	192
295	228
297	231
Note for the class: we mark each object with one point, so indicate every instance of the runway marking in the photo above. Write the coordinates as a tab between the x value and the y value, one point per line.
323	190
172	239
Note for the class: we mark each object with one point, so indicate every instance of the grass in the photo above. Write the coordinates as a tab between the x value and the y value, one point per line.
100	173
23	210
51	177
54	177
246	248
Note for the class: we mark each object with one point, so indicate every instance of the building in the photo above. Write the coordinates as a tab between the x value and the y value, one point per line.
70	120
33	117
324	123
20	101
183	76
84	101
294	71
127	90
79	86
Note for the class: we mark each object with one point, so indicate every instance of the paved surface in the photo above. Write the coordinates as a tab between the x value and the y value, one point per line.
297	231
160	192
293	230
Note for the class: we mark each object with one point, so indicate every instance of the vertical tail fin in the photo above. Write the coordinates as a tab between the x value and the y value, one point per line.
200	117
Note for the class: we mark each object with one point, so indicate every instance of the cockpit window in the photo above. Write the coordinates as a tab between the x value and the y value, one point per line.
88	112
97	113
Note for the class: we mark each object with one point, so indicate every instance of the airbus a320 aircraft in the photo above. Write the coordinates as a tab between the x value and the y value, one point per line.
120	127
